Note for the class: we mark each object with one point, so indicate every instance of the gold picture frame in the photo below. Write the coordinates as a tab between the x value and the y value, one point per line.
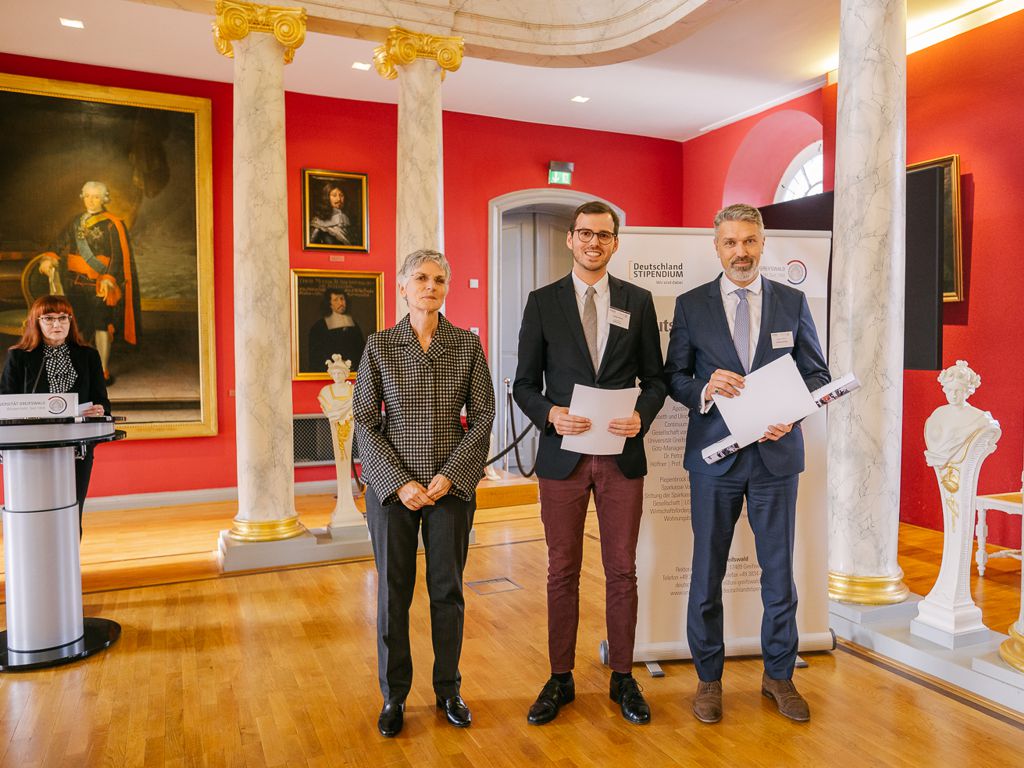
952	251
355	300
334	211
153	154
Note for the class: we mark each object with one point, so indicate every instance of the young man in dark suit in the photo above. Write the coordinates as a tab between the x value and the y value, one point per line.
721	331
592	329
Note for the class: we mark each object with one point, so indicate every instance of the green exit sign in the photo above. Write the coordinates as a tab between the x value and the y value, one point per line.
559	177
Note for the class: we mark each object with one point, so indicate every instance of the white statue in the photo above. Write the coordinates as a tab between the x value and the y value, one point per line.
490	471
336	402
958	438
950	428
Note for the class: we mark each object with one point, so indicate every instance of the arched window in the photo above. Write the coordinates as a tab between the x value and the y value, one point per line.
803	176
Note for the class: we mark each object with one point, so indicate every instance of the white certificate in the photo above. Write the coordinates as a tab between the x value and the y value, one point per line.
600	406
773	394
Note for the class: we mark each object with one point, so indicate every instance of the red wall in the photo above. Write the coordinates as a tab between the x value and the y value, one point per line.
962	97
484	158
743	161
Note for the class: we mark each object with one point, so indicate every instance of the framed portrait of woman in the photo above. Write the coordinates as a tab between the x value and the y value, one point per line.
334	212
332	313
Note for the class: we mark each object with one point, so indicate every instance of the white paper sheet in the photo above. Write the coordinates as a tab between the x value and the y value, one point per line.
600	406
773	394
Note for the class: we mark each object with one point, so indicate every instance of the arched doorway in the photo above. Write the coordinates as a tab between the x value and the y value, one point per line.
526	246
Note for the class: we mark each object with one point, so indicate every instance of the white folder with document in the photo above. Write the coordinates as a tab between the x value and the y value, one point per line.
600	406
773	394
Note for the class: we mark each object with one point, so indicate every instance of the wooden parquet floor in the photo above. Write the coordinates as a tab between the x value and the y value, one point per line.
278	669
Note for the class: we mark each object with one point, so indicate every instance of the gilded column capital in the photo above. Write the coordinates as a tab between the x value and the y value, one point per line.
236	20
403	47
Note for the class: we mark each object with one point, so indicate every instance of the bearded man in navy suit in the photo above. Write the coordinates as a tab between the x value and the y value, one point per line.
593	329
721	331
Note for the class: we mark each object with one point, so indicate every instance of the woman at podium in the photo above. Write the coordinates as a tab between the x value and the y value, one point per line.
52	357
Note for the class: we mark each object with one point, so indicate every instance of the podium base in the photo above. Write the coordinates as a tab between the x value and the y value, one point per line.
99	634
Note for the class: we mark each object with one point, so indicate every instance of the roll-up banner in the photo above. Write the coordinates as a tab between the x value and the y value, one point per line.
669	262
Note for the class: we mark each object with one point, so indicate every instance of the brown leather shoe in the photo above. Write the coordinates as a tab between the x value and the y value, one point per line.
707	704
790	703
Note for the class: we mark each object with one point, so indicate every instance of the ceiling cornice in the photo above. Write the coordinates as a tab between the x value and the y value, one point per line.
534	32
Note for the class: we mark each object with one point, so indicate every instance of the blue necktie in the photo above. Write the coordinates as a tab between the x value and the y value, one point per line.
741	329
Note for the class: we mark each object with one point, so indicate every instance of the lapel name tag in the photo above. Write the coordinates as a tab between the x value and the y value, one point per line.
619	317
782	339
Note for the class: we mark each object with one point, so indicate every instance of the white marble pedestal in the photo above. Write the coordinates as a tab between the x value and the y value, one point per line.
885	630
959	437
316	545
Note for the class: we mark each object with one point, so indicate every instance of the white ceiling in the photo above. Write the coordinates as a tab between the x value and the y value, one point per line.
753	54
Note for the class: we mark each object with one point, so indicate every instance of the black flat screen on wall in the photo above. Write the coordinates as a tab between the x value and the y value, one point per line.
922	341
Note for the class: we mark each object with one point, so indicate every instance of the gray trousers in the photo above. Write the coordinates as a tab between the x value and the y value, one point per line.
394	532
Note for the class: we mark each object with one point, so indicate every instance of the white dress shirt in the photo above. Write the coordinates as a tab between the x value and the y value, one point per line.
731	302
602	301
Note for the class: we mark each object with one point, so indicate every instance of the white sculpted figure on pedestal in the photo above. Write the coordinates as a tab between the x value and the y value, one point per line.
490	471
336	402
958	438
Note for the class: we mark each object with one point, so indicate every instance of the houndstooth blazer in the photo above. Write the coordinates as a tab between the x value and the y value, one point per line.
420	433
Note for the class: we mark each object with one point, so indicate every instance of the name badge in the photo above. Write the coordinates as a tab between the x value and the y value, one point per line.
619	317
782	339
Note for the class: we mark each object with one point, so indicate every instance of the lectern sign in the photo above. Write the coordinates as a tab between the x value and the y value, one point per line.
44	406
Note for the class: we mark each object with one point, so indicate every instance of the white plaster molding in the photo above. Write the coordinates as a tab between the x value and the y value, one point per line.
536	32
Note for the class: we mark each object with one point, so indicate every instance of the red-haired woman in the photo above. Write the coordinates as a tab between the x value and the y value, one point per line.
52	357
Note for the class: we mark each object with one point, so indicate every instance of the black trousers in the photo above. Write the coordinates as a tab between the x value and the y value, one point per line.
394	532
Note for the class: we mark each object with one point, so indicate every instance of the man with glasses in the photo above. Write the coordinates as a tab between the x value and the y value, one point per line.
592	329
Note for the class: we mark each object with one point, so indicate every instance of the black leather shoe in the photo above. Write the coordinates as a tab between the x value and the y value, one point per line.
455	710
552	696
391	719
626	692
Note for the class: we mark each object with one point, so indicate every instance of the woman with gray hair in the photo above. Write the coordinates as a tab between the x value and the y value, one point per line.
421	468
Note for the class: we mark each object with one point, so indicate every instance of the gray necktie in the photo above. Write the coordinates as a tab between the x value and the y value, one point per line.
741	329
590	326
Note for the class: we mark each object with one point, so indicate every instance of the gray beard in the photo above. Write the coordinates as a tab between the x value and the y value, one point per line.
741	275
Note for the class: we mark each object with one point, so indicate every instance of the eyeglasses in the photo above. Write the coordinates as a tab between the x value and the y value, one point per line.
55	319
586	235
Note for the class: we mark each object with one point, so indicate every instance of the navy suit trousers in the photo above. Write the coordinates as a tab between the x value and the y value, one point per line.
771	509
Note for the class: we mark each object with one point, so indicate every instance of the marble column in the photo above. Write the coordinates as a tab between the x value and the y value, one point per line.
423	61
261	39
866	333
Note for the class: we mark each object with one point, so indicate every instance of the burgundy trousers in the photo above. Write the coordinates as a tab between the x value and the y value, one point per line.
563	509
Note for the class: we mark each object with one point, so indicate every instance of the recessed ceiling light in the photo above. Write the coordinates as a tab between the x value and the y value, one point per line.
580	99
73	23
362	66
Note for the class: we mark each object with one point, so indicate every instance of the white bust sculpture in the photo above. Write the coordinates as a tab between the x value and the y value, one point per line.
950	427
958	437
336	403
